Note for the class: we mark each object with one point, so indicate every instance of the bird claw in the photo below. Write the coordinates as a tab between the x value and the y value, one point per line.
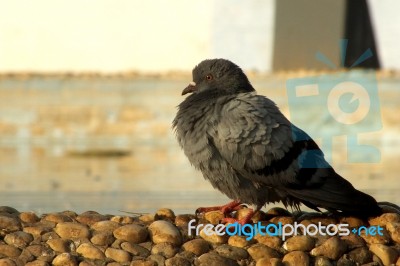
227	208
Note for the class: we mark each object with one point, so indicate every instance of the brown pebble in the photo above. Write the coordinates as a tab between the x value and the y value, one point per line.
233	253
212	236
143	263
147	218
90	217
345	261
49	235
353	241
118	255
377	238
322	261
105	226
131	232
277	211
269	262
214	217
213	259
165	214
183	220
385	219
300	243
57	218
90	251
177	261
333	248
9	251
28	217
282	219
239	241
296	258
394	231
270	241
18	239
258	251
197	246
135	249
37	263
388	255
41	252
164	249
59	245
37	230
160	260
163	231
353	222
7	262
102	238
9	224
360	255
72	231
25	256
122	219
64	259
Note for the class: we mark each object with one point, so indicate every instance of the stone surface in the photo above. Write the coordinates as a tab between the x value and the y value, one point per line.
72	231
164	231
90	251
301	243
258	251
333	248
197	246
131	232
386	254
296	258
213	259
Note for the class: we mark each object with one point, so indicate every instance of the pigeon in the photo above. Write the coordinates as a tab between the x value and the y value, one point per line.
247	149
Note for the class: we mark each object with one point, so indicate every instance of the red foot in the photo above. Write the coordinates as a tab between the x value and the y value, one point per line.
243	221
227	208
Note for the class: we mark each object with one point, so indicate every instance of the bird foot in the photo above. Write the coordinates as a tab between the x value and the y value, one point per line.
245	220
227	208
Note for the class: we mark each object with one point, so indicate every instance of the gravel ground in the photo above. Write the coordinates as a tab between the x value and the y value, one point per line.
163	238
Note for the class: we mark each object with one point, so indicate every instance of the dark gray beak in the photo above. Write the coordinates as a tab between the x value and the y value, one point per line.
190	88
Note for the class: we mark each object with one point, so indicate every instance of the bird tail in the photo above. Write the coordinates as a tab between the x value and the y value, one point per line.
337	194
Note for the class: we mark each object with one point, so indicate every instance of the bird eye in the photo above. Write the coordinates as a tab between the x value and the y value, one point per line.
209	77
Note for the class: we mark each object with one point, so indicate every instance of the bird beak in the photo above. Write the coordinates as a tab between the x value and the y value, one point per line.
190	88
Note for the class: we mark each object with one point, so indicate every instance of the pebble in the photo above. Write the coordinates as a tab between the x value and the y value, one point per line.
132	233
333	248
300	243
269	262
353	222
197	246
7	262
258	251
360	255
18	239
164	249
177	261
183	220
282	219
64	259
386	254
376	239
57	218
37	263
239	241
270	241
90	217
147	218
295	258
28	217
59	245
118	255
160	260
213	259
163	231
135	249
122	219
72	231
165	214
322	261
43	253
142	263
214	217
9	251
105	226
90	251
37	230
212	237
9	224
394	231
353	241
385	219
233	253
102	238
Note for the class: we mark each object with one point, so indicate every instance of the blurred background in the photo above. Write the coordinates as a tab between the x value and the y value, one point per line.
88	91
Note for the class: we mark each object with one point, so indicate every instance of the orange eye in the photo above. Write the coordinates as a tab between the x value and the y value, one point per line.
209	77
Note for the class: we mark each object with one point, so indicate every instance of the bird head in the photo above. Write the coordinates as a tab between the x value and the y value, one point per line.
220	76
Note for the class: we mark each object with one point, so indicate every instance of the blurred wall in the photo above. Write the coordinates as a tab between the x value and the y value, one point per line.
156	35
